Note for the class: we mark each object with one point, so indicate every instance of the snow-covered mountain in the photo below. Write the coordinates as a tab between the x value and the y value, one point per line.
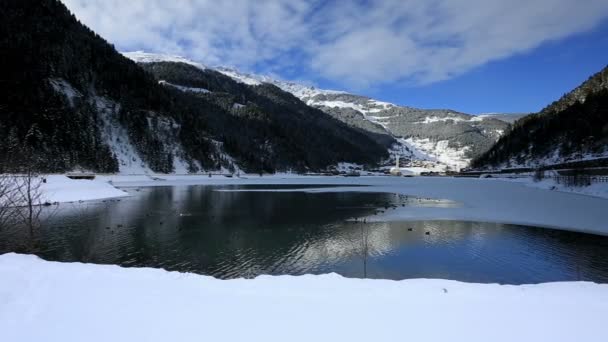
428	138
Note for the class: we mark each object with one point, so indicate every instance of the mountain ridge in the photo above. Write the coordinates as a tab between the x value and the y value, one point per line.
455	138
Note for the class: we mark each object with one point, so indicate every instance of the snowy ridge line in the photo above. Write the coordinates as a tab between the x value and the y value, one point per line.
145	57
294	88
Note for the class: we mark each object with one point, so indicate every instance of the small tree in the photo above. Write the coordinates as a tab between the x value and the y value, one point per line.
21	195
27	201
7	193
20	204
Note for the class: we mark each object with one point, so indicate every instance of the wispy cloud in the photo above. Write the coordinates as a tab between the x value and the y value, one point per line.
355	43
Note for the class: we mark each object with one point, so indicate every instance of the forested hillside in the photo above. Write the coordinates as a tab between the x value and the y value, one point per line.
440	136
573	128
70	101
268	124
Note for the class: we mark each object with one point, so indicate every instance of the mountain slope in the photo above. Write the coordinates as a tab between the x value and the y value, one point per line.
506	117
573	128
78	104
438	137
446	137
290	128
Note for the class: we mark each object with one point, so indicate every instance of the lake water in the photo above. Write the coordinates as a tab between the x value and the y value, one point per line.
227	232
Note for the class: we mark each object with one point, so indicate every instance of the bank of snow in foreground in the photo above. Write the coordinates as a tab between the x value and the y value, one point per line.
49	301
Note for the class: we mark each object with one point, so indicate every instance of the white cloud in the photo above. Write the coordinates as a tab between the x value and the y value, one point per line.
354	43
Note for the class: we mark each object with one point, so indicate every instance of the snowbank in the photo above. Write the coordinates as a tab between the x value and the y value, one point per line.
63	189
595	189
49	301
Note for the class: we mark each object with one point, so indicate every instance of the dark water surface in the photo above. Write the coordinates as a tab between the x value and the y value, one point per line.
228	234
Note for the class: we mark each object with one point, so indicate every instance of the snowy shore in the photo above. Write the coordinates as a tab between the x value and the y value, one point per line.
484	200
60	188
596	189
50	301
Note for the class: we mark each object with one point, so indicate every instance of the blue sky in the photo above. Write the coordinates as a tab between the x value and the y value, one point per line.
473	56
518	84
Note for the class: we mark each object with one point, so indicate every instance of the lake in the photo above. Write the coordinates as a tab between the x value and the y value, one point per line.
245	231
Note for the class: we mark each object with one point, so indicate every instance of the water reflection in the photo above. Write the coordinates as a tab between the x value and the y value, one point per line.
243	234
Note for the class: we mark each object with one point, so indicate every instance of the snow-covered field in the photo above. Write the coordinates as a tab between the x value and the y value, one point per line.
50	301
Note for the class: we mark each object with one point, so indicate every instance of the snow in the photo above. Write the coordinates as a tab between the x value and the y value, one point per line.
302	91
184	89
371	106
506	117
64	87
440	151
242	77
299	90
60	188
453	119
117	138
552	157
341	104
50	301
346	167
436	151
595	189
145	57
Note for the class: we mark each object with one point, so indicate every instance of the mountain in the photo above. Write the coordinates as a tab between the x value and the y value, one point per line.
441	136
573	128
76	103
431	138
